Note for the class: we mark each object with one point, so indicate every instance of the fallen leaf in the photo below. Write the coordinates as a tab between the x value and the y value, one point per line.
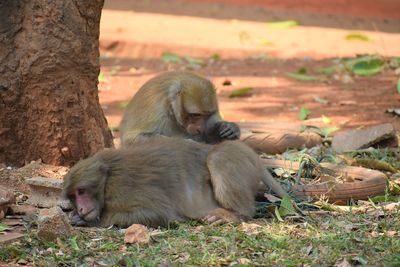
101	77
271	198
357	37
170	57
137	234
244	261
320	100
302	77
304	113
347	102
327	70
343	263
394	111
226	82
282	24
366	66
244	36
250	228
326	119
398	86
245	91
359	259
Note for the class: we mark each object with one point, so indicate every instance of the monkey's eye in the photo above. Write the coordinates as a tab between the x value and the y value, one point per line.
80	191
195	116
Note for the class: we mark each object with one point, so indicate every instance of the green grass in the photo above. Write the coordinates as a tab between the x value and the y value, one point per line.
323	241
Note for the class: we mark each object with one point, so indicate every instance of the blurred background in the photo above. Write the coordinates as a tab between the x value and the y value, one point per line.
270	60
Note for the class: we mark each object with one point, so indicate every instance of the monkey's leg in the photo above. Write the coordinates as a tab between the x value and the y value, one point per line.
233	189
221	215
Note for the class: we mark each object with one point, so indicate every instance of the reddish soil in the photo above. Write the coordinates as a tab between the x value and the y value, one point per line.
131	57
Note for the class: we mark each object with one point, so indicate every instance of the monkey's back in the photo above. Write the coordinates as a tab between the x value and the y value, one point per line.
163	175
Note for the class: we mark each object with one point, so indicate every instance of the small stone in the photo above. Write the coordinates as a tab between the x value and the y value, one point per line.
53	223
362	138
6	199
45	192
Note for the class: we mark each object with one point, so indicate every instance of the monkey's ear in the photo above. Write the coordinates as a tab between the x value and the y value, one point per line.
175	97
105	169
174	90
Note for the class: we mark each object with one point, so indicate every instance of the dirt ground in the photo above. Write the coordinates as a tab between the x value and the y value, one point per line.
134	35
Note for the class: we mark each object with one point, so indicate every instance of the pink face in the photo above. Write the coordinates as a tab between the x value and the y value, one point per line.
87	206
196	124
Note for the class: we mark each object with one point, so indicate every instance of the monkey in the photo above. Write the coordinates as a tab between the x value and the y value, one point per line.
176	104
169	179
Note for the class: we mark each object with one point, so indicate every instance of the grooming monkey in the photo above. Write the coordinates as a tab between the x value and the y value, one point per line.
167	179
177	103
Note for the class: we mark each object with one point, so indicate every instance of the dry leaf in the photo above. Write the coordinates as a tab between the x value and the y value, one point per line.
137	234
343	263
272	198
250	228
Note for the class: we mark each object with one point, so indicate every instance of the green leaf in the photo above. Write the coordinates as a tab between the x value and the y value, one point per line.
327	70
286	207
215	57
320	100
278	216
245	91
398	86
244	36
301	77
326	119
265	42
123	104
74	244
170	57
357	37
101	77
194	61
328	130
4	227
304	113
282	24
366	66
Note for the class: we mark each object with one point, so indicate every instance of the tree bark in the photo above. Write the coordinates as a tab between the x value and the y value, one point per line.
49	64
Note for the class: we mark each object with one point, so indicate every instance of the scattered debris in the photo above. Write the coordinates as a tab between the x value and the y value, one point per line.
53	223
8	238
45	192
6	199
362	138
394	111
137	234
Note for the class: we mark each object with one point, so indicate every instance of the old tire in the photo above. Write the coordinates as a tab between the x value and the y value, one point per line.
367	183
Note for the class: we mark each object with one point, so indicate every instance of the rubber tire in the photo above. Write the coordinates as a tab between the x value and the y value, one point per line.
368	183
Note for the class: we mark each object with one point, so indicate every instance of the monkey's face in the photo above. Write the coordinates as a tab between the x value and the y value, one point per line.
195	124
86	204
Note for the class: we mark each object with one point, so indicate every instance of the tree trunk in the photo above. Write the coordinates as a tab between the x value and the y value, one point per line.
49	64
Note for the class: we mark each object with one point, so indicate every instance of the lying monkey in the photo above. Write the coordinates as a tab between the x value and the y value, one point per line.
167	179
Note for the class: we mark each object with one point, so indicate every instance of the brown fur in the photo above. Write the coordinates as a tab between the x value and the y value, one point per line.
180	104
166	179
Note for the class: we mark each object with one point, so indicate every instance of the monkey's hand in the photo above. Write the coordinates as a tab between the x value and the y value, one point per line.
76	220
229	130
221	216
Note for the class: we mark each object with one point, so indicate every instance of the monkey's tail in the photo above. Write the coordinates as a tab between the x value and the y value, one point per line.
269	181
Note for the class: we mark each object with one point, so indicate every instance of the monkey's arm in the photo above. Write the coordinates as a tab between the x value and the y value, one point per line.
76	220
137	137
151	217
218	130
